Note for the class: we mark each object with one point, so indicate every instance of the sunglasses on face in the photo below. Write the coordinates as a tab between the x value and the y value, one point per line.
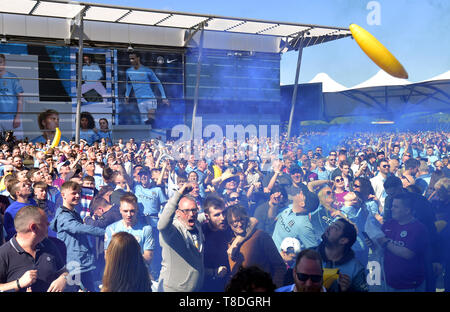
234	198
304	277
339	180
386	166
356	185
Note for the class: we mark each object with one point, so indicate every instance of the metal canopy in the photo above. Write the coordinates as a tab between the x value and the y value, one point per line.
430	96
288	32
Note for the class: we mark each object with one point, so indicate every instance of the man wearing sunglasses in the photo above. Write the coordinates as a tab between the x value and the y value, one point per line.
307	273
378	180
331	163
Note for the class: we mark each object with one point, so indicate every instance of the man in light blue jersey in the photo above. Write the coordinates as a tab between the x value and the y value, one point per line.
132	224
92	74
11	99
294	222
139	78
321	171
150	200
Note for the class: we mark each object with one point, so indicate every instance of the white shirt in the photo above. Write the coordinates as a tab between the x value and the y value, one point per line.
377	184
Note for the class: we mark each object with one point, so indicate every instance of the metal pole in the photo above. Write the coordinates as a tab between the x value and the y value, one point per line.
197	84
294	93
79	78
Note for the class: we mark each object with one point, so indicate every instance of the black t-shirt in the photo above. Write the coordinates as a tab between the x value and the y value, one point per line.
284	179
15	261
216	245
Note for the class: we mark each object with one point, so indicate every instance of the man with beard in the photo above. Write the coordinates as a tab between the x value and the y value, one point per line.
378	180
336	252
218	235
307	273
446	166
437	174
409	175
17	163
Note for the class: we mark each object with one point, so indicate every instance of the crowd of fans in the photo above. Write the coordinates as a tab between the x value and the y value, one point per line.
316	212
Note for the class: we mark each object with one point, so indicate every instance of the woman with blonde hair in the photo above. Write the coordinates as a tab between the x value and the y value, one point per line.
125	269
324	215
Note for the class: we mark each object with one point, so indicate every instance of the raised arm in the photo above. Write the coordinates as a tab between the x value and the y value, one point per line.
168	213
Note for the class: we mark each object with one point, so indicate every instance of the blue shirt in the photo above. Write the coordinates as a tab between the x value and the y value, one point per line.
372	207
139	80
320	219
106	135
291	224
322	175
142	232
10	87
41	139
89	136
92	72
150	200
10	214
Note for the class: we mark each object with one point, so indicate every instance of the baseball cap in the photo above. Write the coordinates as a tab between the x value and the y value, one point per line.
290	244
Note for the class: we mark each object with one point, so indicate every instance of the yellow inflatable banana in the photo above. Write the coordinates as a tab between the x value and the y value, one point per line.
2	182
378	52
56	139
329	276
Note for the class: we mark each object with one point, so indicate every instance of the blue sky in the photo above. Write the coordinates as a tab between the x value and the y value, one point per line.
415	31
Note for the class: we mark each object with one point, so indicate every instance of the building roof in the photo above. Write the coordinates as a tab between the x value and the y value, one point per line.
312	34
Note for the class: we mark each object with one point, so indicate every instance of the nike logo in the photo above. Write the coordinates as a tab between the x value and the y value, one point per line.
171	61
